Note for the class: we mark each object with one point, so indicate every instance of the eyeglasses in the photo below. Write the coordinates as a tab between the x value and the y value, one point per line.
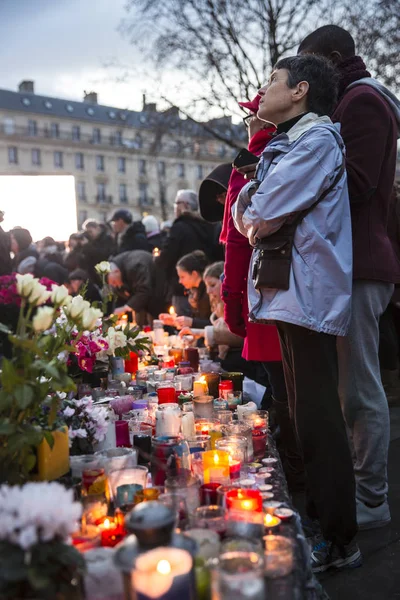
246	120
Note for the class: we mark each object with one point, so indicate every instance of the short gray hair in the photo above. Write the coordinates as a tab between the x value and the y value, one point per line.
190	197
90	223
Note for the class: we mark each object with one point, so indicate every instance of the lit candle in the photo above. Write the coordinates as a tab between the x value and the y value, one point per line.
156	252
172	311
200	387
244	500
271	523
216	466
234	468
111	533
163	573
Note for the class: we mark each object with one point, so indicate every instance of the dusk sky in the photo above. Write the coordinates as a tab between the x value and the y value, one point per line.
64	45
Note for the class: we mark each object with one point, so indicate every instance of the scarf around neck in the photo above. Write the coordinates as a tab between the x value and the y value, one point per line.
350	70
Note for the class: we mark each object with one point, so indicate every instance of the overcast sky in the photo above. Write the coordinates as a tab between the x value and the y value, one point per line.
64	45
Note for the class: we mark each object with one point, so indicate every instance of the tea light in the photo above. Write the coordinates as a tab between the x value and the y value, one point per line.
271	506
284	514
267	496
247	483
244	500
270	461
261	478
163	573
266	487
200	387
215	466
271	523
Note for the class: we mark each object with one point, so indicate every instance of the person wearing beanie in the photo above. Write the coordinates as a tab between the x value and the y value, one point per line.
21	246
130	234
154	236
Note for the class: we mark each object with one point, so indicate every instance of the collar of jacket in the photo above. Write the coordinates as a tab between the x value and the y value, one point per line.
302	126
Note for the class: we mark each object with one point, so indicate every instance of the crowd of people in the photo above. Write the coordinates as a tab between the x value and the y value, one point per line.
285	268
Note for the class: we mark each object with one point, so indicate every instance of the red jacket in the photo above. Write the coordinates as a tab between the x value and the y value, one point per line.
261	342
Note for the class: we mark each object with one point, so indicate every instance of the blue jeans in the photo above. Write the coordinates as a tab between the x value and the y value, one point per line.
364	405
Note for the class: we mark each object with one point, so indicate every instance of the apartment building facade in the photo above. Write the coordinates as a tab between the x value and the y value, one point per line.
119	158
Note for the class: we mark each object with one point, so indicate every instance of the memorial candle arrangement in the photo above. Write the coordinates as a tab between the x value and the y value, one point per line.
258	422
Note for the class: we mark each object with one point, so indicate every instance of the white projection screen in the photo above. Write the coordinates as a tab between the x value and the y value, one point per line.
43	204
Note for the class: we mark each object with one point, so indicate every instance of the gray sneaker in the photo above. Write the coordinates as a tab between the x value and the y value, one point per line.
327	555
372	518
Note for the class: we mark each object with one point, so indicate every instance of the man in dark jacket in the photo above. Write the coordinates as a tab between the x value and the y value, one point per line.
369	115
132	277
130	235
189	232
5	249
100	247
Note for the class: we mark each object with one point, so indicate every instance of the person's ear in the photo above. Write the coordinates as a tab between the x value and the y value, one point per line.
300	91
335	57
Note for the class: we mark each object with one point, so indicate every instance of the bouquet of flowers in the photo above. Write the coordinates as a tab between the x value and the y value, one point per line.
87	424
35	559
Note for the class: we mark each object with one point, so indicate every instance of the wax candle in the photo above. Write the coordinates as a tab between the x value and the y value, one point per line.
237	450
122	434
271	523
188	428
168	420
166	393
200	387
236	378
203	407
86	538
212	380
177	354
208	493
245	410
127	477
234	469
216	466
132	363
163	573
224	388
284	514
244	500
259	424
111	533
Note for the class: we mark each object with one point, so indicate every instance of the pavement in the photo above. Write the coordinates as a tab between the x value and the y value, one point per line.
379	577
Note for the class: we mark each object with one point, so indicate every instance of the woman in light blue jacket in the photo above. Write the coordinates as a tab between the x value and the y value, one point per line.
302	164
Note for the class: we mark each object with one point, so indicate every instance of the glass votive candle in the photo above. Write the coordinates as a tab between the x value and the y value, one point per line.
224	388
203	407
209	427
222	490
177	503
141	440
191	355
271	523
177	354
239	574
170	455
159	375
186	484
184	383
114	459
242	430
224	416
220	404
234	399
209	517
199	443
216	466
122	434
167	572
128	478
200	386
278	556
187	407
236	378
208	493
168	420
259	424
212	380
166	393
244	500
237	450
83	462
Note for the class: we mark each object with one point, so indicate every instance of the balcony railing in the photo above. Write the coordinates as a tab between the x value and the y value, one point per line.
100	199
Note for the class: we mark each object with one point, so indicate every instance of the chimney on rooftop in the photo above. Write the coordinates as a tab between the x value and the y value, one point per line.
27	87
90	97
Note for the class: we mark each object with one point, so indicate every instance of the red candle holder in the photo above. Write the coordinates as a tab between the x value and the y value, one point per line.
192	356
122	434
208	493
111	533
132	363
244	500
166	394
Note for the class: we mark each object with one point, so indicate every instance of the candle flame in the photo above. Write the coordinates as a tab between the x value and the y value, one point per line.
247	504
156	252
216	459
107	524
163	567
268	519
172	311
203	379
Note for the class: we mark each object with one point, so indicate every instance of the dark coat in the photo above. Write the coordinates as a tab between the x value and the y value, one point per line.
5	248
138	276
156	241
189	232
201	309
369	131
52	270
134	238
18	258
95	251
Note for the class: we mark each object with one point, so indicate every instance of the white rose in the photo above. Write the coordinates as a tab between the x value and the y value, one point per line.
39	295
59	294
103	267
115	339
90	317
77	307
43	318
25	284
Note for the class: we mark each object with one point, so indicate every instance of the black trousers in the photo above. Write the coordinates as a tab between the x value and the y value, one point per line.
311	374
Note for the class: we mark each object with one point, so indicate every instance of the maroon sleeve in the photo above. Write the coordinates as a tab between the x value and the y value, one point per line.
365	123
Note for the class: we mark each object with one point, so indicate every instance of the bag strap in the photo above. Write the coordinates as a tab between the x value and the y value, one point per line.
300	216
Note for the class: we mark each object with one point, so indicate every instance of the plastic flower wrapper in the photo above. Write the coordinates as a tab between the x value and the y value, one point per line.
87	424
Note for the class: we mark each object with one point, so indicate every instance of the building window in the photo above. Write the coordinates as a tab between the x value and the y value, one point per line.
9	126
121	164
36	157
81	190
32	127
142	166
55	130
76	133
118	138
100	162
181	170
13	155
96	139
58	159
79	161
199	171
123	198
161	168
101	192
143	199
138	141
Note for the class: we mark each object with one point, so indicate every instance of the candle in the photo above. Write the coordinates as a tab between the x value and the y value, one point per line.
271	523
240	575
132	363
111	533
163	573
126	478
122	434
237	450
156	252
188	428
94	482
216	466
203	407
244	500
172	311
208	493
192	356
246	410
271	506
200	387
177	354
224	388
284	514
212	380
259	424
142	434
87	538
234	469
278	557
166	393
168	420
236	378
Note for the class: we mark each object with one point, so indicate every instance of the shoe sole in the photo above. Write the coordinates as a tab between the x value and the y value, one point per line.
352	562
374	525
